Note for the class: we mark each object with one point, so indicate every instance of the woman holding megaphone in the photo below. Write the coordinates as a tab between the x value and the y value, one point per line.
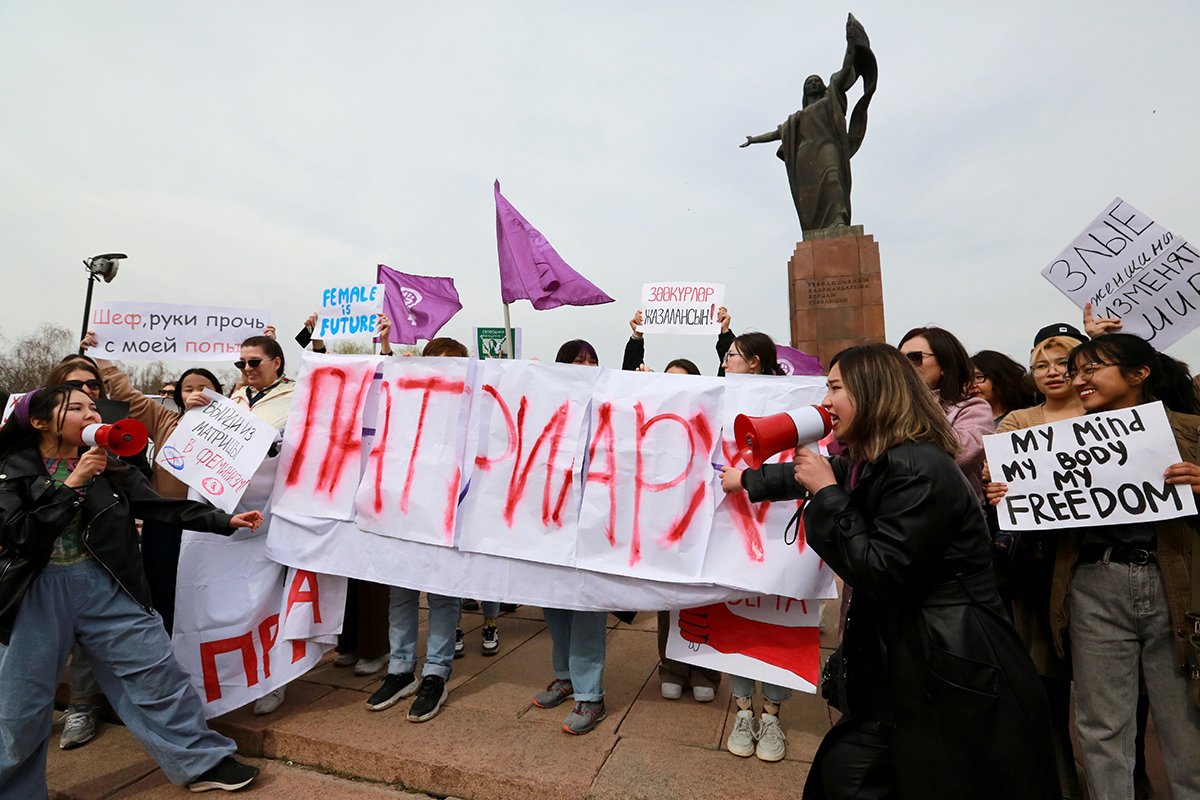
70	572
938	695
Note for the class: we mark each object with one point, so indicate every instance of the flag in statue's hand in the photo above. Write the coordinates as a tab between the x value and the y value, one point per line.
530	269
418	306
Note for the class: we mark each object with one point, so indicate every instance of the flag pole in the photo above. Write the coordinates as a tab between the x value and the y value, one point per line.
508	334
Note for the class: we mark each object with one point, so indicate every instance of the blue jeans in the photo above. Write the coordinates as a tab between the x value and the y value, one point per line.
578	639
744	687
132	660
1119	622
402	632
490	610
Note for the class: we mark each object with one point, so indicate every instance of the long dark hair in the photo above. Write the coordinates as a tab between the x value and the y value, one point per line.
1012	385
16	436
760	344
1169	379
952	358
177	395
574	349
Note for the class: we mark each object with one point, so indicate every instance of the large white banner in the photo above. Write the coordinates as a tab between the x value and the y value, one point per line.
244	623
1129	266
650	485
137	331
528	437
1098	469
216	448
768	638
758	545
416	456
322	459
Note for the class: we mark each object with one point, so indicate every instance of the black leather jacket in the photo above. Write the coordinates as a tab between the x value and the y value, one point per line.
34	511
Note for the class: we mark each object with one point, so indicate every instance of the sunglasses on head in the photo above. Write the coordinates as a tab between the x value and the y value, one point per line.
92	384
249	362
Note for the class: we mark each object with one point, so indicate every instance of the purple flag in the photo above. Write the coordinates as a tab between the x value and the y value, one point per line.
797	362
531	270
417	306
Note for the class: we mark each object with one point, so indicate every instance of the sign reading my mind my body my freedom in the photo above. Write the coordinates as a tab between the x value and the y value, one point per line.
1129	266
1099	469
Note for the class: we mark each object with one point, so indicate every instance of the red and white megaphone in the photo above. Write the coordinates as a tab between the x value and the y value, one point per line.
759	438
125	437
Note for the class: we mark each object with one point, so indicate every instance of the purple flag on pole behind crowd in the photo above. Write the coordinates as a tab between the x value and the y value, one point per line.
531	270
418	306
797	362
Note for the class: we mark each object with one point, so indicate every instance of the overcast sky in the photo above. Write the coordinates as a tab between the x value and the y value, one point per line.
250	154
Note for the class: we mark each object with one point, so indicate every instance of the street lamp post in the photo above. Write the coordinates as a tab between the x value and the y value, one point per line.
105	267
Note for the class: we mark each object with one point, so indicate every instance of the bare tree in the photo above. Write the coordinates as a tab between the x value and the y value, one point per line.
25	363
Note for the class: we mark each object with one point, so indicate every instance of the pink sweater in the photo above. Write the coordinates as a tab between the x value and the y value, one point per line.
971	420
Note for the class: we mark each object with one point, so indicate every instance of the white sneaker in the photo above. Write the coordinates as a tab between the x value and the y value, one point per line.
743	736
772	741
269	701
345	659
671	690
703	694
369	666
79	726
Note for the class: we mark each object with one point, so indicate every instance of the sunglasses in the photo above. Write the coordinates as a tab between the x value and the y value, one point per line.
92	384
249	362
917	357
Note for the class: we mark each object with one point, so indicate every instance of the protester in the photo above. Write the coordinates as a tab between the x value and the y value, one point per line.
1028	558
1002	382
71	572
1121	592
754	354
942	363
578	638
444	612
939	698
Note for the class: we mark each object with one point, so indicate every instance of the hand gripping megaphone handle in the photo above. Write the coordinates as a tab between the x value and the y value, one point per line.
125	437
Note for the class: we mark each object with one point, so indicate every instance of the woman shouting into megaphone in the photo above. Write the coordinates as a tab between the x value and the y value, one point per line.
70	571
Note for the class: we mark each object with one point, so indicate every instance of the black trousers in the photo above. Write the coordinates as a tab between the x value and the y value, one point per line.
160	559
854	762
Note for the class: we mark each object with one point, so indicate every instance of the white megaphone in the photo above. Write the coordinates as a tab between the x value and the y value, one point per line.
125	437
759	438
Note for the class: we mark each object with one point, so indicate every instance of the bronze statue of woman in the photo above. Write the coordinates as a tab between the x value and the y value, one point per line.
815	144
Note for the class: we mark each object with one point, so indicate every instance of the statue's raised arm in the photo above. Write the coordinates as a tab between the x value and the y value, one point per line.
816	143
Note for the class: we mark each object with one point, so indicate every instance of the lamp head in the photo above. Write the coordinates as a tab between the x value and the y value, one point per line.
104	266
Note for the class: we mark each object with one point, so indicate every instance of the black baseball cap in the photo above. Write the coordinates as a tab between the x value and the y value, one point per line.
1059	329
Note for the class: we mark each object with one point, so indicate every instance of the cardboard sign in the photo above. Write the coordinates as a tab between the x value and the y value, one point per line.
1129	266
489	343
133	331
349	312
1099	469
681	308
215	449
768	638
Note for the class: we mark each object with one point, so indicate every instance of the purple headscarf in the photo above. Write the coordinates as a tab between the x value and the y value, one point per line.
20	412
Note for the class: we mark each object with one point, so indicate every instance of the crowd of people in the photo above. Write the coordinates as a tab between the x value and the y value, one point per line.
960	640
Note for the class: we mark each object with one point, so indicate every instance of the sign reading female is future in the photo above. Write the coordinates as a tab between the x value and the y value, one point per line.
349	312
681	307
1130	267
1099	469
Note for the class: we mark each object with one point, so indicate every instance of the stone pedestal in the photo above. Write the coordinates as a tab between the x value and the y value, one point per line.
836	293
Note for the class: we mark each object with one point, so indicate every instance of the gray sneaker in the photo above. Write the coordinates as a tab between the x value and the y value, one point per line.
744	734
772	742
554	694
586	716
79	727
